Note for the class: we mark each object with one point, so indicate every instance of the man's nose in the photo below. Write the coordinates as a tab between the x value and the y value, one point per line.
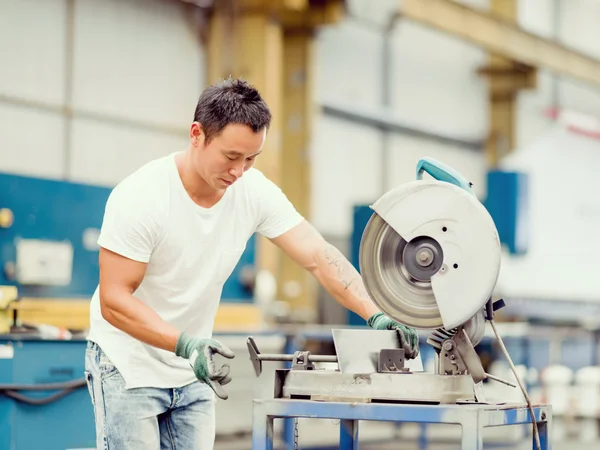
237	170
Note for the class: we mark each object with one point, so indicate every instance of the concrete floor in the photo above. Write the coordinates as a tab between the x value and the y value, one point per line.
245	444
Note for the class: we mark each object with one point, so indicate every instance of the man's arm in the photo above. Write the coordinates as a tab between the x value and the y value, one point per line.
119	278
307	247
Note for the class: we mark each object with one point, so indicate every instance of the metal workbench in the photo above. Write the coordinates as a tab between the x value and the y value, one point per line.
472	418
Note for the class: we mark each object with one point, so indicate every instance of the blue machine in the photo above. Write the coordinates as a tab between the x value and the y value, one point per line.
508	203
58	417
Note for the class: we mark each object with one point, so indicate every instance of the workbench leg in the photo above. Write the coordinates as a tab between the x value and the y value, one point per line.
348	434
288	433
262	430
472	436
423	436
544	438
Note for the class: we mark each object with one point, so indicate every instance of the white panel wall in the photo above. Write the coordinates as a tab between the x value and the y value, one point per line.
155	80
136	59
580	28
348	62
31	142
106	153
345	171
436	86
32	58
137	74
562	262
32	47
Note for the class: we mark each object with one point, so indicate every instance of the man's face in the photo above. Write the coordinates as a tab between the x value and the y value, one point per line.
228	155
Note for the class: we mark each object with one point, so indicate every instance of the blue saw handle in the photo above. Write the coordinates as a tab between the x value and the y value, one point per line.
442	172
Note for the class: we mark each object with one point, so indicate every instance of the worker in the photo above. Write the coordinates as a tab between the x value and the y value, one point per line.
172	233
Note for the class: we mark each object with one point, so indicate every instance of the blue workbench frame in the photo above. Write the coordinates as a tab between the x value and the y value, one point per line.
473	418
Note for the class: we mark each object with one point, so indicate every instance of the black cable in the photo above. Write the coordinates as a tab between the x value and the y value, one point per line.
38	401
44	387
10	390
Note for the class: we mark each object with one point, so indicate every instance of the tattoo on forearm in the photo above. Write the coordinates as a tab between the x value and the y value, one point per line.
346	273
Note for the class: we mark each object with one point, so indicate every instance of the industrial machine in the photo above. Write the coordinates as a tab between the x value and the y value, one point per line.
429	258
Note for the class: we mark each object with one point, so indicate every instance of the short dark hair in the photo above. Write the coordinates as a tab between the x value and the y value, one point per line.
231	101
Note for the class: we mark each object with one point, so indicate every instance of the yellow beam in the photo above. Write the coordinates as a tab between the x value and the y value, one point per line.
502	37
298	286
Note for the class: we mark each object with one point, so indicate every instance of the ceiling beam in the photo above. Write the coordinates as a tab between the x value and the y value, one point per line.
497	35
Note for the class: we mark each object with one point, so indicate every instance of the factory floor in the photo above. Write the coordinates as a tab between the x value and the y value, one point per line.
246	444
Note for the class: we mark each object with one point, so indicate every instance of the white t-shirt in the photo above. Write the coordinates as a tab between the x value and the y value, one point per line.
190	252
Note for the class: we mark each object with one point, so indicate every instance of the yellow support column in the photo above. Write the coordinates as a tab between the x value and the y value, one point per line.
270	44
244	41
506	78
298	287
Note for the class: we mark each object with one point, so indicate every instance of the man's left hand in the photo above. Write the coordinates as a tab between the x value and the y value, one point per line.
409	338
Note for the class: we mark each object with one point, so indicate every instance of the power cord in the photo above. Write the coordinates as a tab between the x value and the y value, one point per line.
536	433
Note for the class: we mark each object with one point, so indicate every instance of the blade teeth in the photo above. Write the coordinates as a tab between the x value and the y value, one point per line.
439	335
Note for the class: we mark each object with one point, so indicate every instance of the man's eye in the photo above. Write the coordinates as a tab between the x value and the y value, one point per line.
231	159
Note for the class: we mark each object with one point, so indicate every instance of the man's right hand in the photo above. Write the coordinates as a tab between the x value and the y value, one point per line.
200	353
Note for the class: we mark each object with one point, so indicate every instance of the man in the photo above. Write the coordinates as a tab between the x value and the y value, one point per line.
172	233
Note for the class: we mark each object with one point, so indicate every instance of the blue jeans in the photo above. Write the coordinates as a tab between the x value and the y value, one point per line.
147	418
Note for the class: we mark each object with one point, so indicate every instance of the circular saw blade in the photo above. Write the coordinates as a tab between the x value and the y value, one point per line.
388	281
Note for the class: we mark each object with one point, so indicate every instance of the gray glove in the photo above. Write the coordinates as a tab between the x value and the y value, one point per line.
200	353
409	338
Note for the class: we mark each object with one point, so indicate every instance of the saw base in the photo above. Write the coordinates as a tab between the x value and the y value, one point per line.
416	387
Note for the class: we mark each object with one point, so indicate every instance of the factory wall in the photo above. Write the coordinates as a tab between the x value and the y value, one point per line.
574	24
132	90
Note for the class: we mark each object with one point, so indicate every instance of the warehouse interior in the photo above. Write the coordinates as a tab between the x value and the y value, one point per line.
504	92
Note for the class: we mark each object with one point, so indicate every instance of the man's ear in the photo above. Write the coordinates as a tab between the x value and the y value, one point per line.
197	136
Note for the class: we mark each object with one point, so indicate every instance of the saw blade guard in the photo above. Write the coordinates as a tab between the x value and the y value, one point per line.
444	228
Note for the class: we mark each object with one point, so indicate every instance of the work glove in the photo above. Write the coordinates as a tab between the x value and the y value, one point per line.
409	339
200	354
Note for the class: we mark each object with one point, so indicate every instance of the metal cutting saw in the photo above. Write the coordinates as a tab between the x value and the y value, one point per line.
429	258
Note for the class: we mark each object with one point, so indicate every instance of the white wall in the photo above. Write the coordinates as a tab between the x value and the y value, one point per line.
137	74
574	23
562	262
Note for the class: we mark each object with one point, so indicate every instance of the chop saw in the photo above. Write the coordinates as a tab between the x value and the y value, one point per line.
429	258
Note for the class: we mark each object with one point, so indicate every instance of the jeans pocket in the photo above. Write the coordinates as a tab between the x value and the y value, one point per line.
106	368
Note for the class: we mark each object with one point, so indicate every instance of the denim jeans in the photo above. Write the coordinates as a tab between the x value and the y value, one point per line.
147	418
